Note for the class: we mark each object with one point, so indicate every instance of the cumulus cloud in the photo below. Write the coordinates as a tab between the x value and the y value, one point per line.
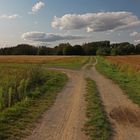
137	41
135	34
37	6
136	37
9	17
48	37
97	22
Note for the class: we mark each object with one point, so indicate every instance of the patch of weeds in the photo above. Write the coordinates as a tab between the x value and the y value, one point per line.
130	83
97	125
17	121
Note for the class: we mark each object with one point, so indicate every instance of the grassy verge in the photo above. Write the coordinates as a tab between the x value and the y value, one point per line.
129	82
97	125
16	122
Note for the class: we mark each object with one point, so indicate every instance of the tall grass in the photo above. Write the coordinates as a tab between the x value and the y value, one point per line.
16	122
16	83
126	77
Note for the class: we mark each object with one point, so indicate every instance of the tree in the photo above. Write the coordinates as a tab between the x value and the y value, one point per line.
137	49
114	51
67	49
77	50
101	51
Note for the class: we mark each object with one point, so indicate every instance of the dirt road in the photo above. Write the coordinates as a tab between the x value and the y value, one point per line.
123	114
65	119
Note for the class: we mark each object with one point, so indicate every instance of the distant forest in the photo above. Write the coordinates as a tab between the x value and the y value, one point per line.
93	48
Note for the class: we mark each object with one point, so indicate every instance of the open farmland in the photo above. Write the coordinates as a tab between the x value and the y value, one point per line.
74	62
37	59
124	70
31	87
132	61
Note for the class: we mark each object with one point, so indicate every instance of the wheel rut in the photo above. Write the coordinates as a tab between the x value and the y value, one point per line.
66	117
123	114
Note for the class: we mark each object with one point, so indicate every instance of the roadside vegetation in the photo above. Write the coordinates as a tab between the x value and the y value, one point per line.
125	75
25	93
97	126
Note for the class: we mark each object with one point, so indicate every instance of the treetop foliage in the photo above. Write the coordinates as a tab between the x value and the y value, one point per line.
92	48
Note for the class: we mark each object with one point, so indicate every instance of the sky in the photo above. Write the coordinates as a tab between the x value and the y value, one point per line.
50	22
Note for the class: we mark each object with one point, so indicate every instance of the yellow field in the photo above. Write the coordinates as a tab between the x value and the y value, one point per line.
38	59
131	61
34	59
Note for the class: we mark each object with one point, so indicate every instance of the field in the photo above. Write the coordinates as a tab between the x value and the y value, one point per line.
130	61
54	94
24	82
74	62
125	71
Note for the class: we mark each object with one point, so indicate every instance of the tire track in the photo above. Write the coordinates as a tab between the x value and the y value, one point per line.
66	117
122	112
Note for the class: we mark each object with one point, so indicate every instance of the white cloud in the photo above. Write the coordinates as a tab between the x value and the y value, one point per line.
134	34
137	41
89	29
48	37
97	22
136	37
10	17
37	6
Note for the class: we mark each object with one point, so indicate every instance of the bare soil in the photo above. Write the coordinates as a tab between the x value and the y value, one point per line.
66	117
65	120
122	112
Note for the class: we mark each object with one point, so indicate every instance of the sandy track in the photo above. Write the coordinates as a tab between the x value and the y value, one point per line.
123	114
65	119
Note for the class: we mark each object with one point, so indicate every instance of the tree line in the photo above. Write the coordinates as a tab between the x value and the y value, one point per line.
92	48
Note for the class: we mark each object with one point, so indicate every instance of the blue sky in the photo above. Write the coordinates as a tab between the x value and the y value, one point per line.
75	21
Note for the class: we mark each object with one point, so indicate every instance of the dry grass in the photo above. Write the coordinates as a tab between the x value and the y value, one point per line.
72	62
37	59
130	61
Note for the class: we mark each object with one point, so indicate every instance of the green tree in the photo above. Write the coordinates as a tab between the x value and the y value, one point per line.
67	49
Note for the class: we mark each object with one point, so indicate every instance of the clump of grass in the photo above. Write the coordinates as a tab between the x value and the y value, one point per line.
97	125
128	81
17	121
15	84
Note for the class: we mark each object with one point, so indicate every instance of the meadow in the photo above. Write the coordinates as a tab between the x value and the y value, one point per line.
131	62
74	62
125	71
28	88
